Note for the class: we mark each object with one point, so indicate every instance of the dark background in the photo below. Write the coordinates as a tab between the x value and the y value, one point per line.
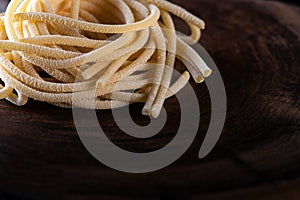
256	45
292	1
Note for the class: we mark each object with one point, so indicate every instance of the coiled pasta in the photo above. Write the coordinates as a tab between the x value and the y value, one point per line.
122	51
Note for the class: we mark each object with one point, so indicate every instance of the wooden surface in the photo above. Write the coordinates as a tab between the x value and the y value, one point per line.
256	45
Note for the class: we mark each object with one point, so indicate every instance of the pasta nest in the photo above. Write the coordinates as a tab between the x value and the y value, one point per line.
107	53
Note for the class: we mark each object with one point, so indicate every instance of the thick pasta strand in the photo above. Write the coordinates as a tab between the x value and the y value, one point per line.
96	54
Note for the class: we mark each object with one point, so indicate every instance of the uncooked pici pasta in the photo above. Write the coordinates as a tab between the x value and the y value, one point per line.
123	51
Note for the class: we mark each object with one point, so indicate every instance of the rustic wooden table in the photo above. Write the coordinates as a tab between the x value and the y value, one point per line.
256	45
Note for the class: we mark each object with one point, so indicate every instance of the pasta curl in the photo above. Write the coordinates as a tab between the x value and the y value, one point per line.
108	53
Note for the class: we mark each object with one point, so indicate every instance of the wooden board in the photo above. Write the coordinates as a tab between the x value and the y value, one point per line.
256	45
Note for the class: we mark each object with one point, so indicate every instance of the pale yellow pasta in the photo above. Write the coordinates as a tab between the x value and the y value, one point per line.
96	54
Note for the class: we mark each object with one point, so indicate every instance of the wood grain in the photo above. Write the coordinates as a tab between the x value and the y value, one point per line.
256	45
